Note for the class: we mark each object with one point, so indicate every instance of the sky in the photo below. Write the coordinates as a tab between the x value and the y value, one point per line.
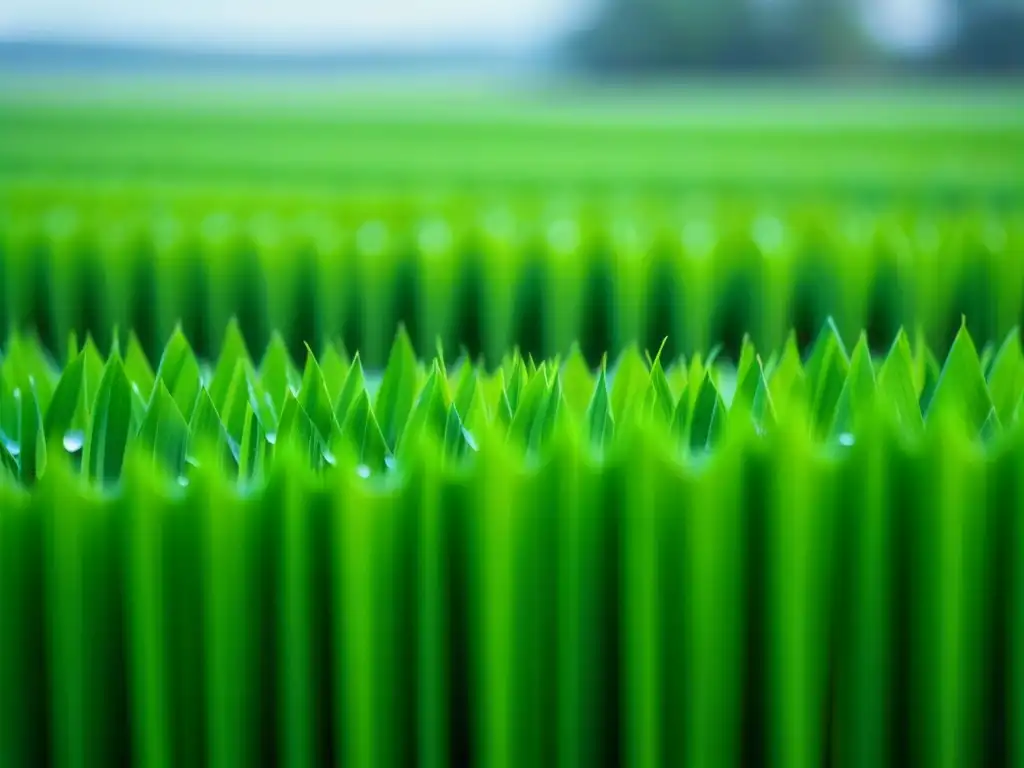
907	24
288	25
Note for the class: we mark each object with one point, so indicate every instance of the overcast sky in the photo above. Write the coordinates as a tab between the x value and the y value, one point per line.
305	24
279	24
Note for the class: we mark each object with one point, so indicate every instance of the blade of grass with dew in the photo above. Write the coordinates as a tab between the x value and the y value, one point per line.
961	386
276	371
31	438
164	433
600	422
110	427
397	391
896	383
361	430
179	372
1006	376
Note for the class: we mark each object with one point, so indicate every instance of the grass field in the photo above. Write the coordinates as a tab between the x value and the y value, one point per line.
902	180
343	424
330	138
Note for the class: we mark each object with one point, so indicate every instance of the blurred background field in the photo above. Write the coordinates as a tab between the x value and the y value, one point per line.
331	136
858	160
771	95
512	181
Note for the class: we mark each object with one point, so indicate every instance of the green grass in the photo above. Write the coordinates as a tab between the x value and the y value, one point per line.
488	276
533	216
526	529
963	139
671	561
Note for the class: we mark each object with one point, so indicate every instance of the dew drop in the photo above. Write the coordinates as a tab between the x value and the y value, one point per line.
74	439
363	471
12	447
470	440
329	457
846	438
272	437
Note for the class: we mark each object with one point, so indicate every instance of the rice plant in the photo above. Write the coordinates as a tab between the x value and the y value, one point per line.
797	558
510	436
488	278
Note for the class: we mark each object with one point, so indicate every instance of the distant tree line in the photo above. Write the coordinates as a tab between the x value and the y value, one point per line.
649	36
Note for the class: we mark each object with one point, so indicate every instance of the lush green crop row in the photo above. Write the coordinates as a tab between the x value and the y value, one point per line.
807	561
222	549
938	144
95	408
487	277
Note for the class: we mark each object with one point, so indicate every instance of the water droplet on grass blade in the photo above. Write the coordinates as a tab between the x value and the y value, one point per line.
847	439
329	457
272	437
363	471
74	440
12	447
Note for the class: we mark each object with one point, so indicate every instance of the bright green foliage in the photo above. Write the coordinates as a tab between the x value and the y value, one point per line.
802	546
687	563
252	410
694	275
